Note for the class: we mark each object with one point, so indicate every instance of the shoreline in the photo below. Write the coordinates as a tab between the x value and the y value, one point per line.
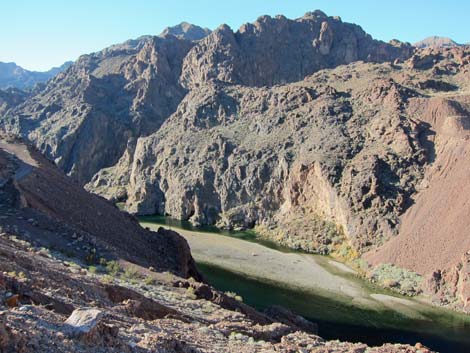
293	270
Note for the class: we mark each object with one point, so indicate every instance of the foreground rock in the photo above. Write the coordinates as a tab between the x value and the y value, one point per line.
86	324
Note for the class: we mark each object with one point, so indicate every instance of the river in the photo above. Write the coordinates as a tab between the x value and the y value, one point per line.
320	289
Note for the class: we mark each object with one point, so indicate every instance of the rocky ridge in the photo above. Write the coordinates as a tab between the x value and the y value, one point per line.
145	80
14	76
41	205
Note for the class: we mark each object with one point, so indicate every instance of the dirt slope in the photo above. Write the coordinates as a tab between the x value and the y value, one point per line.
434	232
41	202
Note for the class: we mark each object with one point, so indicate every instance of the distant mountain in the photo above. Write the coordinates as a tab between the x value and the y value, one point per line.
187	31
12	75
437	42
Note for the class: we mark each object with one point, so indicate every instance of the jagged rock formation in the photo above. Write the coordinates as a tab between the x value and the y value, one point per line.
278	50
301	135
14	76
84	117
436	42
140	81
187	31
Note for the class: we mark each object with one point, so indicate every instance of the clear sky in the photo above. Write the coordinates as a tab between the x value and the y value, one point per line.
39	34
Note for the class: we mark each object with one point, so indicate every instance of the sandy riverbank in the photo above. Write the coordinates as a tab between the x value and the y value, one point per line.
293	270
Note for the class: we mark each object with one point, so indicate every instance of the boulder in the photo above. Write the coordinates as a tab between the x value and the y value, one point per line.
86	324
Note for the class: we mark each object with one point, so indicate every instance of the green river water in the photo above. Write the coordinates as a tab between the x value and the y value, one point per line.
439	329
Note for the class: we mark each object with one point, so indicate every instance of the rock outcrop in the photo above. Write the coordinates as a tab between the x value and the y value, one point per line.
84	117
10	98
273	153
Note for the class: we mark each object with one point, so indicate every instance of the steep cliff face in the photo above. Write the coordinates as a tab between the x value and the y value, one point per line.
84	117
10	98
278	50
324	148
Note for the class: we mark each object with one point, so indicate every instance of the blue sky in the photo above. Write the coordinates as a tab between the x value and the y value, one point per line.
39	34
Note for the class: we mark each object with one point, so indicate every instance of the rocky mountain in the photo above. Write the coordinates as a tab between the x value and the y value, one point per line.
14	76
309	130
187	31
143	83
436	42
10	98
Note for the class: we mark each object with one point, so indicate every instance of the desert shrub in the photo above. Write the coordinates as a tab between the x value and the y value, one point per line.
113	268
345	252
92	269
149	281
398	279
190	293
234	296
131	274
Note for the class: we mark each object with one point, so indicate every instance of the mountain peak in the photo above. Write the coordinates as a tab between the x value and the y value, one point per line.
186	30
436	42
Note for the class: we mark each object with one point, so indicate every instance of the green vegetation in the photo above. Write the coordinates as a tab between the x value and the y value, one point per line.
345	252
21	276
234	296
149	281
113	268
190	293
397	279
